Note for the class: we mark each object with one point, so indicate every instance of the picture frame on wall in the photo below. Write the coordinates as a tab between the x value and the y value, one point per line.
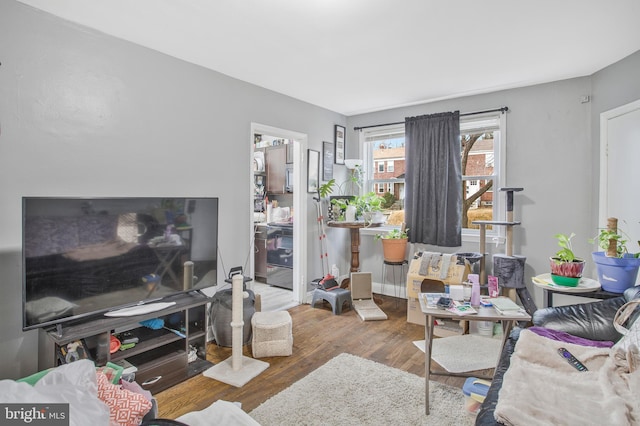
313	170
327	161
340	143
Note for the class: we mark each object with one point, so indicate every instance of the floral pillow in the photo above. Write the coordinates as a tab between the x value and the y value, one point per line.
125	407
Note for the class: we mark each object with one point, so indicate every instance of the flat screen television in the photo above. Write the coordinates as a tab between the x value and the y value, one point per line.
83	257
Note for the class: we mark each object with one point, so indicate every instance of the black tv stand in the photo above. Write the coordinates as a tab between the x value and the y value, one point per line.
161	356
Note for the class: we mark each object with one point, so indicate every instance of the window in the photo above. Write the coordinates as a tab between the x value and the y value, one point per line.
482	149
383	169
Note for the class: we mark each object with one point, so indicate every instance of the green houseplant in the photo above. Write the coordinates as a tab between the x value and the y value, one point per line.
566	267
368	204
617	268
365	205
394	244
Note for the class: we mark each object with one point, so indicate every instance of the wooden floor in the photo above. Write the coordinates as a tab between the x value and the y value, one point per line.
318	336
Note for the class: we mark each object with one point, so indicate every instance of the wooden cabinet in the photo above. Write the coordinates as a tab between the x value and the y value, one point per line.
276	163
163	357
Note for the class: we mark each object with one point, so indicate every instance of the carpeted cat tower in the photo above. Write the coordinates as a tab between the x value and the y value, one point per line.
237	370
507	267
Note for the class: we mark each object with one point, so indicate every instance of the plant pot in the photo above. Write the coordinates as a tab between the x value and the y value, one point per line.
394	249
616	274
571	269
567	274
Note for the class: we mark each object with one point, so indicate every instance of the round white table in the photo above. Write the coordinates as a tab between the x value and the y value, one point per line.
586	287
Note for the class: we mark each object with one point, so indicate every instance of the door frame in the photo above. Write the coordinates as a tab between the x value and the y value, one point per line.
607	119
300	146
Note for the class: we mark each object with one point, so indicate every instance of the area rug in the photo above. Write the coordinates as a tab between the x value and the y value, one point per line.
349	390
468	352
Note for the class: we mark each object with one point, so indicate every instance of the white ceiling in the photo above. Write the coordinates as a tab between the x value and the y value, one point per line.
355	56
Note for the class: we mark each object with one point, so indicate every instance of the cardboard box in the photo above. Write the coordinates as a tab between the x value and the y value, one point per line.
414	313
456	274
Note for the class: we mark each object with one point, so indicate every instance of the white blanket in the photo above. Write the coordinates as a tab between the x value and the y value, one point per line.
542	388
220	413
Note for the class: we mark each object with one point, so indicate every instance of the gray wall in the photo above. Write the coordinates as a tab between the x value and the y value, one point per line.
86	114
552	152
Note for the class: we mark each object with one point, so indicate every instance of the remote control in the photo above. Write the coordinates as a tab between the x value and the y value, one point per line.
572	359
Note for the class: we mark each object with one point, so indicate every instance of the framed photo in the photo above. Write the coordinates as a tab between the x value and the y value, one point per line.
340	142
313	170
327	161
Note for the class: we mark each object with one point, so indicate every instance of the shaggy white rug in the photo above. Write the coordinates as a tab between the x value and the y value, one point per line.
349	390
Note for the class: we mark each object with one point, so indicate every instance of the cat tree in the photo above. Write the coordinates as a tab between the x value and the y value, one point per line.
238	369
509	268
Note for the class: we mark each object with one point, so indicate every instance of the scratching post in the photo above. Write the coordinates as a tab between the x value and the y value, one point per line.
187	281
238	369
237	323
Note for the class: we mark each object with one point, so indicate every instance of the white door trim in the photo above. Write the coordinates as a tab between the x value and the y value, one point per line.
299	207
605	118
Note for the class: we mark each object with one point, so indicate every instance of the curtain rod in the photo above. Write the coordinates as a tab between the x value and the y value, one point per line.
502	110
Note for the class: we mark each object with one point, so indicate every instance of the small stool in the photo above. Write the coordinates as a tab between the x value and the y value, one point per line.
336	298
272	334
401	284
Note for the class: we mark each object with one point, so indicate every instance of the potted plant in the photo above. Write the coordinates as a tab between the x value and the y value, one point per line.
363	206
394	244
367	205
566	268
617	268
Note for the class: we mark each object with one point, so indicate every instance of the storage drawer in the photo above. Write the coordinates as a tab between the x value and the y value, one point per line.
162	372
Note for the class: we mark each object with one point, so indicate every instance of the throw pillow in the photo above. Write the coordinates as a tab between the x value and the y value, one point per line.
125	407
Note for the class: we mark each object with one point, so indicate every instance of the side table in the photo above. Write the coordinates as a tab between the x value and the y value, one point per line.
354	231
586	287
431	314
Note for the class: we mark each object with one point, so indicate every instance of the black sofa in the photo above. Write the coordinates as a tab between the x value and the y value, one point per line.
592	321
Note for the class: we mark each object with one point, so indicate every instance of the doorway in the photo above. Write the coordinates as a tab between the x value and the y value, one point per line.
299	208
619	153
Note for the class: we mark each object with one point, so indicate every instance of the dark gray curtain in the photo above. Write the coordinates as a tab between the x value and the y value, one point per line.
433	199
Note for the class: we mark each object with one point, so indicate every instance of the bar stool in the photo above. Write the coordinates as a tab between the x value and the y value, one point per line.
401	283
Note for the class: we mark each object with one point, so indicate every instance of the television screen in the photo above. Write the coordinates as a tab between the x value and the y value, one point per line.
86	256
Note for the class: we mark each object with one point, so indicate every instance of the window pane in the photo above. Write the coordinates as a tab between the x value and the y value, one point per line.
477	152
478	204
386	169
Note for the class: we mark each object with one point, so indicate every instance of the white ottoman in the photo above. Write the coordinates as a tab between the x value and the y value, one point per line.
272	334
